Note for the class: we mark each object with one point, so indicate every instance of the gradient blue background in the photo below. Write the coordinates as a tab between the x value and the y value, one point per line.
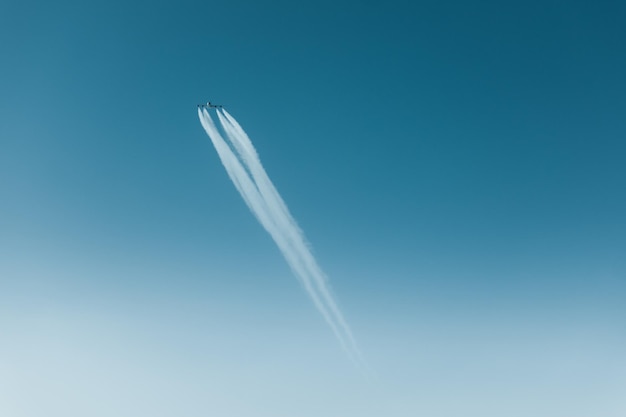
459	169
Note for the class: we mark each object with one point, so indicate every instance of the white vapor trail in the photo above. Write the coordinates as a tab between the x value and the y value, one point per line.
244	168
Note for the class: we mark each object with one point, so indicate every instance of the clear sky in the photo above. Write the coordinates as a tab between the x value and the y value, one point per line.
459	169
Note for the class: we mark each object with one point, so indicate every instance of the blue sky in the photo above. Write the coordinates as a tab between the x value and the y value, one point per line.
459	170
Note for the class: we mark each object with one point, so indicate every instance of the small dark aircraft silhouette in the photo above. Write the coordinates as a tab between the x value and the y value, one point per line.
211	106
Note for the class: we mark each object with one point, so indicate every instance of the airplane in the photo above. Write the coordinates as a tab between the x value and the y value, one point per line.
211	106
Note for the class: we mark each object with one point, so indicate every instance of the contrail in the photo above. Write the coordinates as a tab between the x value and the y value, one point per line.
244	168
